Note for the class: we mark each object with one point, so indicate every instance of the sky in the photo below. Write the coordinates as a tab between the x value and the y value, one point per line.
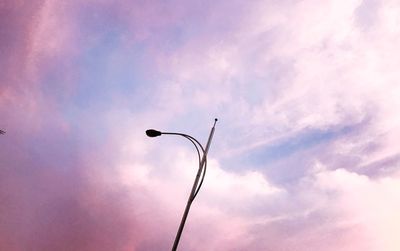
305	154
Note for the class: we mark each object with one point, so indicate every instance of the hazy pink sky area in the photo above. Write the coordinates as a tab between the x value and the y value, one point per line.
305	156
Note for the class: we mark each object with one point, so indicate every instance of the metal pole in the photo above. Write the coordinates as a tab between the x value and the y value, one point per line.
196	181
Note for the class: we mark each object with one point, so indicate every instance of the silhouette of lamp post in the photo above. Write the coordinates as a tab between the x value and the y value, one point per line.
200	173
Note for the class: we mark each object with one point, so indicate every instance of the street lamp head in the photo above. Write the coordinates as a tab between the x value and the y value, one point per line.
153	133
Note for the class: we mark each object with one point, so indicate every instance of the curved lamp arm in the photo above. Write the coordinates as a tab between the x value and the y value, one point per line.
197	144
186	136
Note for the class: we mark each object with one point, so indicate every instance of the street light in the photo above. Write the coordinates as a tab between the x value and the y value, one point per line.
201	172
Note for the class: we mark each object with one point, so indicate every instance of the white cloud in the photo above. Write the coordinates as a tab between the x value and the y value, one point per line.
333	73
371	205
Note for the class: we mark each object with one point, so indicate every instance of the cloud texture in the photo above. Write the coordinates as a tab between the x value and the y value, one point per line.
305	156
